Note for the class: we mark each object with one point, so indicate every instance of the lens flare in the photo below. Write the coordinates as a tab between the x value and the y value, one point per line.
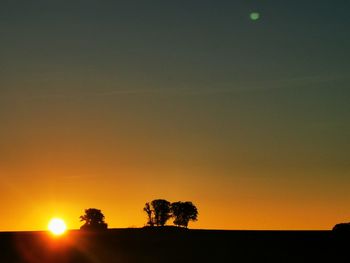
254	16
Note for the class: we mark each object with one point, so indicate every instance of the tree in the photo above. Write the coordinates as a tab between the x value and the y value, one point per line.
183	212
94	220
149	212
342	228
158	212
161	210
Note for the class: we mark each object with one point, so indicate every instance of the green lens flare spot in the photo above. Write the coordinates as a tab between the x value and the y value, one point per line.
254	16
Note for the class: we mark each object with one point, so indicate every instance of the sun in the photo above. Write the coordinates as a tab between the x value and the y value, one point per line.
57	226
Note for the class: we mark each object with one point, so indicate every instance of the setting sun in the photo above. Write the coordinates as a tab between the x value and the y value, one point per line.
57	226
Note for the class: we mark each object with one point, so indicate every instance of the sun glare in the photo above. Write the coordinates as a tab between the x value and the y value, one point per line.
57	226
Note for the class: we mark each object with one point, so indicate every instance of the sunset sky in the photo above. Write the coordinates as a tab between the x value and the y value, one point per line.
110	104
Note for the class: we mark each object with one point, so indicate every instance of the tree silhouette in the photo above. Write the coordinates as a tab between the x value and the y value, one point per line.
94	220
183	212
149	212
342	228
161	212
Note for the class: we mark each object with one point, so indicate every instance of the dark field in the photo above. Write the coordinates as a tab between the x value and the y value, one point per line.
172	245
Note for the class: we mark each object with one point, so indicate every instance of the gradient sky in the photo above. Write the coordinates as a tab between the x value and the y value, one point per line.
110	104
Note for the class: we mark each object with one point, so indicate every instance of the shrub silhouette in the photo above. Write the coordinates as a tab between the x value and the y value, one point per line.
183	212
94	220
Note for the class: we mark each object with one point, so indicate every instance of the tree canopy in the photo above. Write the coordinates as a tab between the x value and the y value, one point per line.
342	228
183	212
159	211
94	220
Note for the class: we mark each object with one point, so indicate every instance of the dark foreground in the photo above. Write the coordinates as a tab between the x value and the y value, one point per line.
172	245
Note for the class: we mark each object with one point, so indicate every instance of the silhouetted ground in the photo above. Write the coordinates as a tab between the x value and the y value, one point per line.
173	245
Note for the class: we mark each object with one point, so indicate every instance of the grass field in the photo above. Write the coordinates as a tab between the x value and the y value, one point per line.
173	245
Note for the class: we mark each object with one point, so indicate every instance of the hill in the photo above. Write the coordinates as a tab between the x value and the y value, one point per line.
172	245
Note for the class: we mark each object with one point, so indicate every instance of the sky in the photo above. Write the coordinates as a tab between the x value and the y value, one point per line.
111	104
